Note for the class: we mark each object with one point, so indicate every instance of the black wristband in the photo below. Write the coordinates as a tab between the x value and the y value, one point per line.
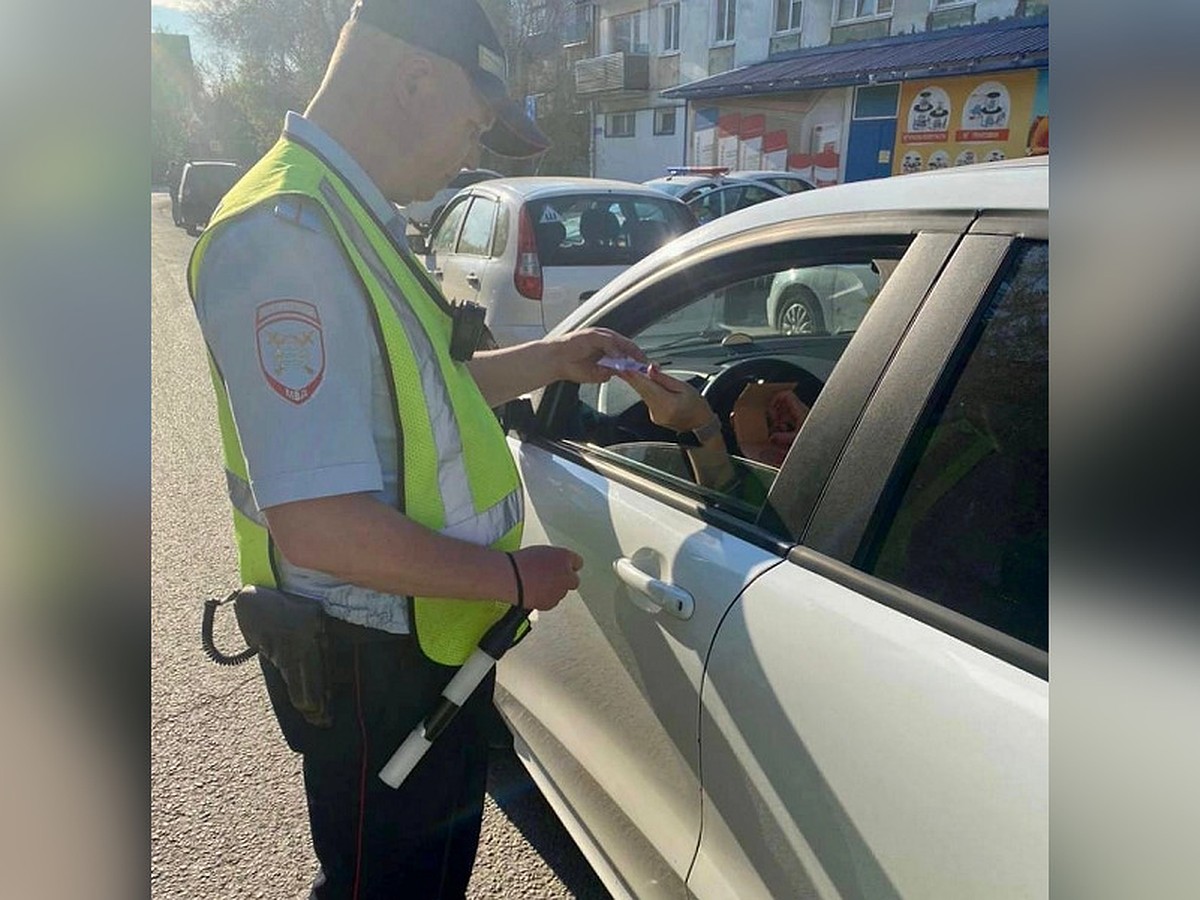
697	436
512	561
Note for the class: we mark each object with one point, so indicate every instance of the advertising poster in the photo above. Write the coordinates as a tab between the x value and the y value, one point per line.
964	120
750	151
728	140
775	150
799	132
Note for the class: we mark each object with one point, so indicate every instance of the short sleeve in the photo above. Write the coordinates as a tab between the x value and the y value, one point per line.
285	318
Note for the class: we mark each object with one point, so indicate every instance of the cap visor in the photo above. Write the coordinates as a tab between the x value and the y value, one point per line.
514	134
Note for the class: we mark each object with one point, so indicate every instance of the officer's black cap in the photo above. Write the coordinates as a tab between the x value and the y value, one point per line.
460	30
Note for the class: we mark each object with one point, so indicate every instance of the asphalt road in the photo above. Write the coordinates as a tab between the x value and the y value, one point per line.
227	802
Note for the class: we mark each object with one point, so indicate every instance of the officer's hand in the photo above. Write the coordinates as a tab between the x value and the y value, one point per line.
547	573
578	351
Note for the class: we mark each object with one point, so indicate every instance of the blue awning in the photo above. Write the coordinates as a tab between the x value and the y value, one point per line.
1010	44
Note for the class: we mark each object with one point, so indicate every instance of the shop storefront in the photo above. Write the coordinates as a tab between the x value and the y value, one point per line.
877	108
800	132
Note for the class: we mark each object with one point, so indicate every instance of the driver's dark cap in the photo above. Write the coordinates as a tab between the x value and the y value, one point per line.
460	30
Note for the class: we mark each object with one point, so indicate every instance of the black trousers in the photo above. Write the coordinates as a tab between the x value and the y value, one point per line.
371	841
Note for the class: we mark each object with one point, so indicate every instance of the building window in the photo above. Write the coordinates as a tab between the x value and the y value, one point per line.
787	15
628	34
726	20
876	102
618	125
577	25
664	120
537	19
861	9
670	23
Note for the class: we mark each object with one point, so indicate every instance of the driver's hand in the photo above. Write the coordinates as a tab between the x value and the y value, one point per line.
672	403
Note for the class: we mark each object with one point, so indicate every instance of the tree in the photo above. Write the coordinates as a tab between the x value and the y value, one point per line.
542	73
173	91
276	52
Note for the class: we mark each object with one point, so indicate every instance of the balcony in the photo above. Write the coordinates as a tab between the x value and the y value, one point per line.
612	72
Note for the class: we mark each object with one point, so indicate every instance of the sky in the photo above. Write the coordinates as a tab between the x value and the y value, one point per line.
172	16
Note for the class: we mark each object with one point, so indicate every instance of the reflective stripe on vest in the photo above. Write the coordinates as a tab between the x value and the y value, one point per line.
457	475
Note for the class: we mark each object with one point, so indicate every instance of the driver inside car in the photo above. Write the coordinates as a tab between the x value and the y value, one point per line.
677	405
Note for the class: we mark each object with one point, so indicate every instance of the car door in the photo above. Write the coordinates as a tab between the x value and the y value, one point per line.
603	696
464	269
875	708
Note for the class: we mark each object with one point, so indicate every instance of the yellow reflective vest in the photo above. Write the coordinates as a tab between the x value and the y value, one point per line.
452	467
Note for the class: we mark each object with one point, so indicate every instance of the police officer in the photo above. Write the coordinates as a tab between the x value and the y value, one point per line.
365	466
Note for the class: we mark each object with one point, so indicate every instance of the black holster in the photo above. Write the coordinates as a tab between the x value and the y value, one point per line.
291	633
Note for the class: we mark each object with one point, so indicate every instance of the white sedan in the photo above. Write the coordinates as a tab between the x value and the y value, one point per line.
826	679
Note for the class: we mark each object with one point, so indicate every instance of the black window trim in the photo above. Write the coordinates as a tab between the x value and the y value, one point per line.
982	637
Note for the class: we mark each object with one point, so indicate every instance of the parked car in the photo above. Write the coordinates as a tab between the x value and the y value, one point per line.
824	299
531	250
423	212
203	183
788	182
730	197
830	678
687	182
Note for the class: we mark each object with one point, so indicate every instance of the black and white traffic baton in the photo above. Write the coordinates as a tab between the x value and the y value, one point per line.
491	647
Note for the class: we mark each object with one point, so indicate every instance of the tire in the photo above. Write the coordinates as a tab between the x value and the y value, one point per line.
800	313
194	230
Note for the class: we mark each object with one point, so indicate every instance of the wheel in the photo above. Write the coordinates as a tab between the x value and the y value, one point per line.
800	313
194	230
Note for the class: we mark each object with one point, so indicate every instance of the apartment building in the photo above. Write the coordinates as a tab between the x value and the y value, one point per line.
838	90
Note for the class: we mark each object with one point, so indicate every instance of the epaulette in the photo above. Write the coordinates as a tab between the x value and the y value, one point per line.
304	213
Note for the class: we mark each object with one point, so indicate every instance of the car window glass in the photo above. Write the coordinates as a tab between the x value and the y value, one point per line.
500	234
476	237
735	319
604	230
965	521
447	229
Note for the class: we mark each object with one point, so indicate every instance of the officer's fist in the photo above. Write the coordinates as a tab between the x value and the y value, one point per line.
547	573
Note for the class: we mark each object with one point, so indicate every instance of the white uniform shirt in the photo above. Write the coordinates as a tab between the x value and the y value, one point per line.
315	421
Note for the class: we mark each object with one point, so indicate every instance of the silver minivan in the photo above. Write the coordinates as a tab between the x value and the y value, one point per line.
531	250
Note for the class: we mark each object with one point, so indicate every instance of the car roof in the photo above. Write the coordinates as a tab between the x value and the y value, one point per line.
533	187
766	173
1016	184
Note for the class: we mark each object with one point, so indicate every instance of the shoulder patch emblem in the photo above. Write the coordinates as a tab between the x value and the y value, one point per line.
291	348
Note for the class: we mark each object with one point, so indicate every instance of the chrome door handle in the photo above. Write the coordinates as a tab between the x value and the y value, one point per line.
473	280
664	596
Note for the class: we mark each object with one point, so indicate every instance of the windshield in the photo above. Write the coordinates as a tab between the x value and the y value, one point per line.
604	229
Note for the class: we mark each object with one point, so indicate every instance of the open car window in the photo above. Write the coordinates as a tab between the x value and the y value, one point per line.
724	328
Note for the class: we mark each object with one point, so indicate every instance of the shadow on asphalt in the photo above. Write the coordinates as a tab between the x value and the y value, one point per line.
521	801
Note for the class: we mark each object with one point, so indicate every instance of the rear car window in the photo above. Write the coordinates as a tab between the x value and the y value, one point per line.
604	229
212	179
967	522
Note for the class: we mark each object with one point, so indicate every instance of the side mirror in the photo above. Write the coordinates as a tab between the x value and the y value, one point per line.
419	244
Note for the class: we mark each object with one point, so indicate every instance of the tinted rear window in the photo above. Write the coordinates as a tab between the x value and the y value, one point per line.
211	179
604	229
